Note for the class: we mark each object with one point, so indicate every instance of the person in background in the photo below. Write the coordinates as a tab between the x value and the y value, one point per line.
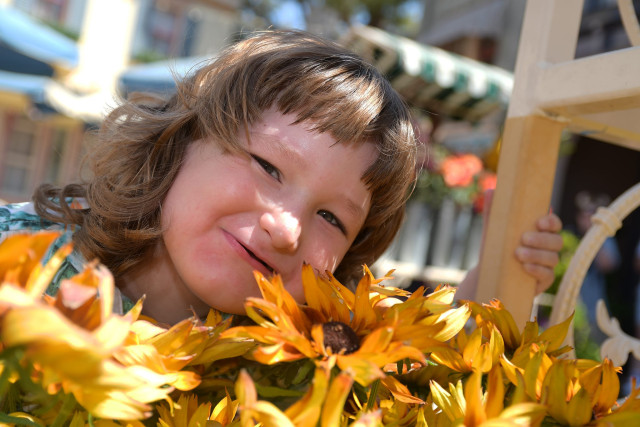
607	260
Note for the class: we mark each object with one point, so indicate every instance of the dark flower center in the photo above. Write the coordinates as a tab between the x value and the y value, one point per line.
340	338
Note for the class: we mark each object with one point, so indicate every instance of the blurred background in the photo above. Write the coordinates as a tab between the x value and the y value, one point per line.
65	63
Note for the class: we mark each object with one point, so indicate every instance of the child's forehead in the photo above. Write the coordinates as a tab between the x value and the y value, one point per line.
272	120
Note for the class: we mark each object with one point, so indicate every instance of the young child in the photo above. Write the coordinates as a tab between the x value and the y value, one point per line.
287	149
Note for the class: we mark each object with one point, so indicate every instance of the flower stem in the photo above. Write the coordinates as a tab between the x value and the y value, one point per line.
4	381
65	411
373	394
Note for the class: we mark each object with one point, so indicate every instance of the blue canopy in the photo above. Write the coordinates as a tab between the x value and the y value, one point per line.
31	47
32	86
158	77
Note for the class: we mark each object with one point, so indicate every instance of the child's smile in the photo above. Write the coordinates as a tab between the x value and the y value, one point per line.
248	255
297	197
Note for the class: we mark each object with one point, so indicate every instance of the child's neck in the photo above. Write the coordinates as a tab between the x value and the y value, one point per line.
167	299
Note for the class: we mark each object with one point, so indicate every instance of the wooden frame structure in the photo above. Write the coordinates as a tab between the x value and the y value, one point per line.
598	96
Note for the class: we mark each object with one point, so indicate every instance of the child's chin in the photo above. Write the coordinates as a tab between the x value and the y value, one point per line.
230	308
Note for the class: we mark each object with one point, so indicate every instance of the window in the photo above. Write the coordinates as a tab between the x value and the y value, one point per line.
161	27
46	10
55	158
19	157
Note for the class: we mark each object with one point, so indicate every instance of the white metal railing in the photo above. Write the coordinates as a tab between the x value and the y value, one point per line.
606	221
436	244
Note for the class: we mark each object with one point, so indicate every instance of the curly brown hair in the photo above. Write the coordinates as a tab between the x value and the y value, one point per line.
141	144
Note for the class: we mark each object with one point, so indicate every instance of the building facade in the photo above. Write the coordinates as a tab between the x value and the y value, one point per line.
60	64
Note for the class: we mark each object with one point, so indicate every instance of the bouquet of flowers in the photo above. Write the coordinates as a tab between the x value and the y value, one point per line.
376	356
460	176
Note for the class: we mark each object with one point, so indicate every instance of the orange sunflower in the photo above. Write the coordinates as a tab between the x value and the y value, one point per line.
70	340
363	331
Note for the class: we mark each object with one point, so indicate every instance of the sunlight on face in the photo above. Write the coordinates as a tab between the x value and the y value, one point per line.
297	197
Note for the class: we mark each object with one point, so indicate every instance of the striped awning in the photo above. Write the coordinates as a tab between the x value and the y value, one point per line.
433	79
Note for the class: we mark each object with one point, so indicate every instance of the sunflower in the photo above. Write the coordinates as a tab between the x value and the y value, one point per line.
188	412
472	353
70	341
359	329
181	352
313	408
470	406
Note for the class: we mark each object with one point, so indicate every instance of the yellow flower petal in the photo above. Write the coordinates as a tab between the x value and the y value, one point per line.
30	324
483	360
14	296
223	349
225	411
603	386
363	312
451	358
306	411
474	412
471	349
495	393
246	390
112	333
521	414
114	405
450	405
268	415
362	370
21	253
496	313
332	409
400	391
376	340
556	393
619	419
454	319
274	291
534	375
556	334
317	294
579	411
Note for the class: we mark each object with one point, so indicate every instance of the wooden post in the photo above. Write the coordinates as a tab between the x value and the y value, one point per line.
525	179
529	154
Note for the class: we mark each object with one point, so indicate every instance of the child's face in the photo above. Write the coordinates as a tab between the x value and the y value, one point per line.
297	198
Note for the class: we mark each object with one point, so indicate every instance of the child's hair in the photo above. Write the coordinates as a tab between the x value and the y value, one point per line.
141	144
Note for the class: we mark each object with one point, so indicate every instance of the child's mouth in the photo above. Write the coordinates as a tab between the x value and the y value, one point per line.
267	266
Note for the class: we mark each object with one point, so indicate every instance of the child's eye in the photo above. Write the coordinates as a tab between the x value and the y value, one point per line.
268	167
333	220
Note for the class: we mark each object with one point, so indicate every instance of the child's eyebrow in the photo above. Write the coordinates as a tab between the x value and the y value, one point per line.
291	155
356	210
283	150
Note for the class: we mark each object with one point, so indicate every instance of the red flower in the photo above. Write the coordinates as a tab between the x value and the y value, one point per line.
458	170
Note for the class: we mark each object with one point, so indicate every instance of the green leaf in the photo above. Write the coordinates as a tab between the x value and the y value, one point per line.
271	391
17	420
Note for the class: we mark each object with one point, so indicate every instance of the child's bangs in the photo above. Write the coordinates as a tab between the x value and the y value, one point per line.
348	109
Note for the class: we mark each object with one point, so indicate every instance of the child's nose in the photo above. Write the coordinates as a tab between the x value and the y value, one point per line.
283	228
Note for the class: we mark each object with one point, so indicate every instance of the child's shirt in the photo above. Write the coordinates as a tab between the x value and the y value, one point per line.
19	218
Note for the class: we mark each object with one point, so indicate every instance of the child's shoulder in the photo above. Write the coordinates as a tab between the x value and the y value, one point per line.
18	217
